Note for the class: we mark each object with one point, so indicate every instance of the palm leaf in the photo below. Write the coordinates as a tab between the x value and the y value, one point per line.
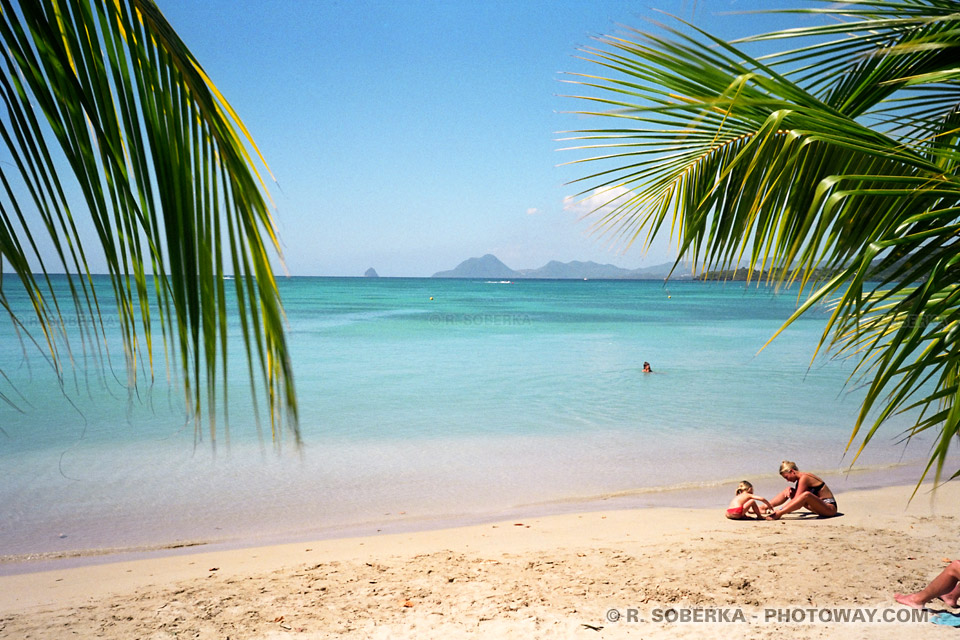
103	99
833	162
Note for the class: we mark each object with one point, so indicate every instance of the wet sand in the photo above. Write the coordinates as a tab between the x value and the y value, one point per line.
557	576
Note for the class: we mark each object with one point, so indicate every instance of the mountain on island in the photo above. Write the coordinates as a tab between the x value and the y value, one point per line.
486	267
489	266
661	271
555	270
371	273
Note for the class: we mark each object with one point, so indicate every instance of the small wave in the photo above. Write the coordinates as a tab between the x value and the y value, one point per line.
91	553
707	485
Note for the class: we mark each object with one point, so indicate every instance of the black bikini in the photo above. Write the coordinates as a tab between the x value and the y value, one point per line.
815	491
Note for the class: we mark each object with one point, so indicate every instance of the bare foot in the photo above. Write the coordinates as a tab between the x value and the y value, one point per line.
774	516
911	600
949	599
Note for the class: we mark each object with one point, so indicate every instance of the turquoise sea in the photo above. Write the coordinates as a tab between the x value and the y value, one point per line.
426	401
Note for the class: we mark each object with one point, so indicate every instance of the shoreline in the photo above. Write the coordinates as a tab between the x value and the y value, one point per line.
703	495
531	577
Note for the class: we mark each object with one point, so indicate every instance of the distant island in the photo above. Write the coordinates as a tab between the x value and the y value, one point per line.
490	267
740	274
371	273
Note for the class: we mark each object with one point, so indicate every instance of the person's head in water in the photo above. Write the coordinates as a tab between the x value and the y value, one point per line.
646	368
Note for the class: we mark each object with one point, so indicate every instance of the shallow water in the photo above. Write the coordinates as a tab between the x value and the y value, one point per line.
488	397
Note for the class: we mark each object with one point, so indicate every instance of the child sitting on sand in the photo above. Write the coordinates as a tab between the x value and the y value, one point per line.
745	501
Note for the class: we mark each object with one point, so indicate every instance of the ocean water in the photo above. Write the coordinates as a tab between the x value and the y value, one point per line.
427	401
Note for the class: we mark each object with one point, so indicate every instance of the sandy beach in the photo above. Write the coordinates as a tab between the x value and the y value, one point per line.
666	572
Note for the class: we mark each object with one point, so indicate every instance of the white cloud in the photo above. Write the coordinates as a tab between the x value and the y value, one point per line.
600	201
532	211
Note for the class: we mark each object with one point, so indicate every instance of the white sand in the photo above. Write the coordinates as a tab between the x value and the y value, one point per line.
546	577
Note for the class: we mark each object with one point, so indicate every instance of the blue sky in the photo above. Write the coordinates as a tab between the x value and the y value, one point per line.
410	135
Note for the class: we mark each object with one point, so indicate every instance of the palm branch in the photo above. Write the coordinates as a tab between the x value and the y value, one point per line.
103	99
833	163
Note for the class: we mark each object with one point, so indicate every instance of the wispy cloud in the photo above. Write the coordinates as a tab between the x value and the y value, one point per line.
602	200
532	211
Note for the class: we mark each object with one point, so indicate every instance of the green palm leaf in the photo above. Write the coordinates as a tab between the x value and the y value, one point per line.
833	162
103	99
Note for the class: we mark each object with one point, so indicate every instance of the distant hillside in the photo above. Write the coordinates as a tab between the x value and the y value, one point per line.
371	273
661	271
575	270
486	267
489	266
740	274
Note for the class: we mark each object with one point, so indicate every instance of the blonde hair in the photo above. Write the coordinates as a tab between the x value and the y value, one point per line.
786	465
745	487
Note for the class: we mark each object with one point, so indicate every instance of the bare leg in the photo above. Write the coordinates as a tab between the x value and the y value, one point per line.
806	500
781	497
946	586
950	599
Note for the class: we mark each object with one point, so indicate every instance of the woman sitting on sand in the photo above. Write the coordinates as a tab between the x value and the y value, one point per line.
745	503
809	492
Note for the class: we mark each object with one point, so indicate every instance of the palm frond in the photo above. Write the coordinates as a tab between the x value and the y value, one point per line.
105	92
833	162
